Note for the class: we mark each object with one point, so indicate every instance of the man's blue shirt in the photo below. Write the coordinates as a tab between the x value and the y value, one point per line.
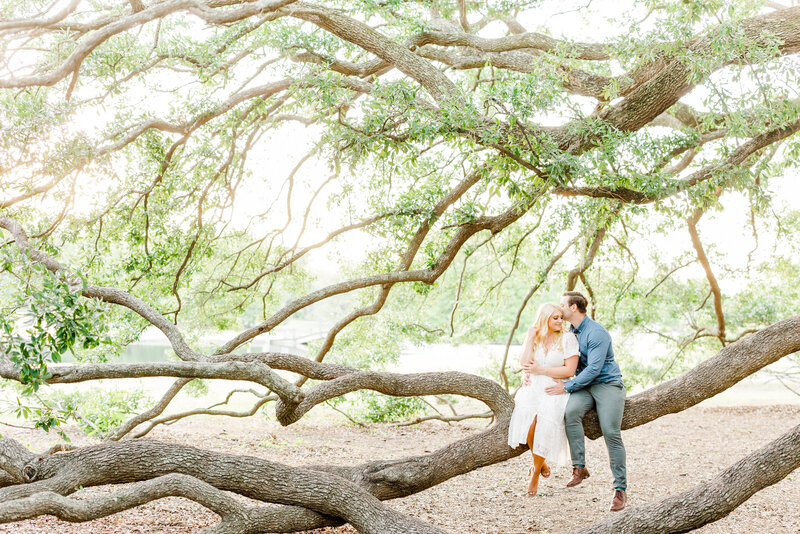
596	364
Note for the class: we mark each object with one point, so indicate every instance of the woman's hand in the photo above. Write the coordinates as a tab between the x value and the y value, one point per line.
533	368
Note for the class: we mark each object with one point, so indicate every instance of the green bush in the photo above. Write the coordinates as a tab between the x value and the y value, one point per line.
99	411
374	407
382	408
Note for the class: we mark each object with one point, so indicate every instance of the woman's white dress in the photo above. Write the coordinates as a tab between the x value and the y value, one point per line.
550	438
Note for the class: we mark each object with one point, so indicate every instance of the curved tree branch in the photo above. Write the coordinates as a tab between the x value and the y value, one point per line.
734	160
691	223
712	500
730	365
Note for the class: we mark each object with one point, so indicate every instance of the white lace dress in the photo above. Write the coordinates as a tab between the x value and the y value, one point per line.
550	438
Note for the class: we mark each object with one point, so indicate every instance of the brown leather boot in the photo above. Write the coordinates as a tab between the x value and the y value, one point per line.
618	502
578	474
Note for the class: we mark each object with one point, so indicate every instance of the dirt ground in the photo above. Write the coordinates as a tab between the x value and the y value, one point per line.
664	457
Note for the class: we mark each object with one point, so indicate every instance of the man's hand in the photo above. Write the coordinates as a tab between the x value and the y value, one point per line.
556	389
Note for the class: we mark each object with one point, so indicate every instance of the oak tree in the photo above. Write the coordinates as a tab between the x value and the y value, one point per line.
461	159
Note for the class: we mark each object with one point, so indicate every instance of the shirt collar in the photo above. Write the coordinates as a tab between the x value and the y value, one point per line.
577	329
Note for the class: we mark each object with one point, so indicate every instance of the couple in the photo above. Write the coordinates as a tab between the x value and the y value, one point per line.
545	401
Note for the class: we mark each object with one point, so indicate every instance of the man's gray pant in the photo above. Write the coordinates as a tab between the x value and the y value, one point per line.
610	402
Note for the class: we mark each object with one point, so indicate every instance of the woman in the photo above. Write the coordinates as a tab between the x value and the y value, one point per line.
550	352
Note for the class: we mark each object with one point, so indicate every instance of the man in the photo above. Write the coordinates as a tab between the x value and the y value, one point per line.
598	384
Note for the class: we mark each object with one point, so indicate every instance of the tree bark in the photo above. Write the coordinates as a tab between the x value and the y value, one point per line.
175	470
133	461
712	500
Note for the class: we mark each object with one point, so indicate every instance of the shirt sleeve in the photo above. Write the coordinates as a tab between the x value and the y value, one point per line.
570	345
598	344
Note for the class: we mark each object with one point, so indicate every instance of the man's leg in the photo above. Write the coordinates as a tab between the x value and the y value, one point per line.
610	402
578	404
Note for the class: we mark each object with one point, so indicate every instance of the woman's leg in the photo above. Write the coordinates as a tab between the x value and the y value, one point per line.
545	471
538	463
533	484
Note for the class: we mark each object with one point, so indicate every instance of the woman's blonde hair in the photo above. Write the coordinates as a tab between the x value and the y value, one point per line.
540	327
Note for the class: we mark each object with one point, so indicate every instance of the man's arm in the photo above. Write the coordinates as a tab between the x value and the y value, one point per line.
599	343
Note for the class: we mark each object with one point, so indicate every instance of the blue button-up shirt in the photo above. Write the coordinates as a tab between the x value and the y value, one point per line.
596	364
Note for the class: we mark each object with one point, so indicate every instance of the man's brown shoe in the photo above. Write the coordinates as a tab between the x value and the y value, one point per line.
578	474
618	502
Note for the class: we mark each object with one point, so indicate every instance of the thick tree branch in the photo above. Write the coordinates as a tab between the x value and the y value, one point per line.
13	459
675	80
437	84
401	385
39	189
732	364
712	500
528	40
253	371
86	47
78	511
733	161
27	23
133	461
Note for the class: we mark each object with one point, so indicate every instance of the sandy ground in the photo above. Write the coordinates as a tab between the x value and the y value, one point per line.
664	457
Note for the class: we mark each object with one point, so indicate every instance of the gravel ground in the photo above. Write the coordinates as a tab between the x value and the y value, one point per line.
664	457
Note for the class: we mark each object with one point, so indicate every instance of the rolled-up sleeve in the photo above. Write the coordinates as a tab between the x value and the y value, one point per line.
599	343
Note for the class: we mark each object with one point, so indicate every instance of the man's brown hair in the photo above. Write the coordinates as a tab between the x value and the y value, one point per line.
576	298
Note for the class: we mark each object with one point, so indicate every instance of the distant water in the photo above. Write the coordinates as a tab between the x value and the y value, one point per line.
468	358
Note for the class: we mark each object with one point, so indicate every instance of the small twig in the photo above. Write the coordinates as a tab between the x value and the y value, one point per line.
447	401
60	447
787	386
434	408
334	408
664	279
446	418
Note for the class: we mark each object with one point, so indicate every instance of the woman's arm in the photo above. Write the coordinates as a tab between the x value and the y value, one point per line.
565	371
526	357
527	350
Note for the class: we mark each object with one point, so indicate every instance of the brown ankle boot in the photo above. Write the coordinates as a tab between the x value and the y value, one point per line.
578	474
618	502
